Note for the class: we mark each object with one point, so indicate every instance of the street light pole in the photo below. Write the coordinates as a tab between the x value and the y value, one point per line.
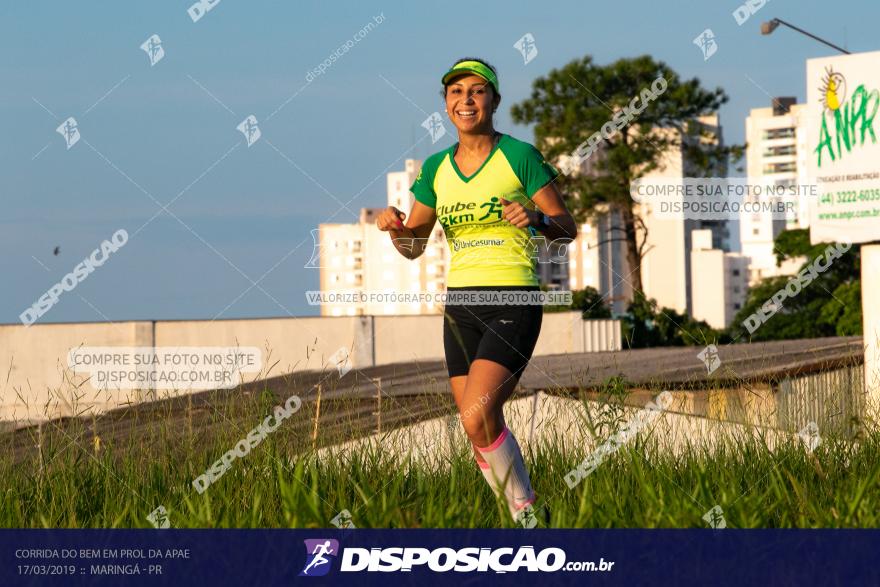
771	25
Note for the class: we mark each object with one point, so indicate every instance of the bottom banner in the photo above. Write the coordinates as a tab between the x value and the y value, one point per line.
374	557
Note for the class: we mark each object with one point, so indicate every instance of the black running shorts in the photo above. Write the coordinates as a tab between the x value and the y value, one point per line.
505	334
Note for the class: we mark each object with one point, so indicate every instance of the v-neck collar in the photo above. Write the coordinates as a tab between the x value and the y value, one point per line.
480	168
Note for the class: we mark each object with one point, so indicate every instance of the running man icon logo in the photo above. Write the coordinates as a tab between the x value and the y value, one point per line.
715	518
493	208
707	44
153	49
343	520
159	518
434	125
69	129
317	553
710	358
809	435
527	47
341	359
250	129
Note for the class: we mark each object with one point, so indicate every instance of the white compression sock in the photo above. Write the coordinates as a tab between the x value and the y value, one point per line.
506	463
489	477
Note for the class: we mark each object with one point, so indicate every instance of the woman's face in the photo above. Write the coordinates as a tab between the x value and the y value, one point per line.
470	101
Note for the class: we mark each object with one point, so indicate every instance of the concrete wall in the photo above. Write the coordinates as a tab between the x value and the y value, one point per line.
35	383
297	344
408	338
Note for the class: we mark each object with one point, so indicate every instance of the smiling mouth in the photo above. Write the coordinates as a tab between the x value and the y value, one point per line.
466	114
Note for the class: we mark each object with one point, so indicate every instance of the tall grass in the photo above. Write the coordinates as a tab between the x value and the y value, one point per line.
140	463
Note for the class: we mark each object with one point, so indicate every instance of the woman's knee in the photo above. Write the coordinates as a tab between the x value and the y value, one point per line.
481	426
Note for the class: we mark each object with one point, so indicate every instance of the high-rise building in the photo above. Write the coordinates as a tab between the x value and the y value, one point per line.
597	259
776	154
666	262
360	259
720	283
599	256
341	263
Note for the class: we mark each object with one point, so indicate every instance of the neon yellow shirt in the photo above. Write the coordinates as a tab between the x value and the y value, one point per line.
485	248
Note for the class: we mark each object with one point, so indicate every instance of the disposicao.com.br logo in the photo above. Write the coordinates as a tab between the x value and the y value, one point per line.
442	560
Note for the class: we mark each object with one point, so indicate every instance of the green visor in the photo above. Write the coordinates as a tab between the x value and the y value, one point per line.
474	67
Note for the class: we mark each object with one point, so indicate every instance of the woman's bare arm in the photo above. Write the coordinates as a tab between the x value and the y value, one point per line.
561	224
411	237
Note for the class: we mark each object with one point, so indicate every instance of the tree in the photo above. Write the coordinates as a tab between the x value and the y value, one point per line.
588	300
572	103
590	303
790	244
844	310
830	305
645	325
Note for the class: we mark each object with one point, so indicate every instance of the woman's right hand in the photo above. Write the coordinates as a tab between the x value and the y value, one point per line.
390	219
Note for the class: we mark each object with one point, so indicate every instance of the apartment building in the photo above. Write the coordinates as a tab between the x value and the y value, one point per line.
357	259
599	257
776	155
719	284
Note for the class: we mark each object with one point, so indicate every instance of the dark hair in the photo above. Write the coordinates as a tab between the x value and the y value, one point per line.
484	62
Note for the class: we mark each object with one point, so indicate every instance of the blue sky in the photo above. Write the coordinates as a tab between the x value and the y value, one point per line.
246	213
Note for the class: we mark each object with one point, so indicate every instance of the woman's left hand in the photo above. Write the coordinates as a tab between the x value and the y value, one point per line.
516	214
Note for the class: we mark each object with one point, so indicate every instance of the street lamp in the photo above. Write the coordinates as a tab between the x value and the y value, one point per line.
771	25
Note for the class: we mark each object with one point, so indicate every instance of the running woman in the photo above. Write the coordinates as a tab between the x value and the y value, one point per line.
492	193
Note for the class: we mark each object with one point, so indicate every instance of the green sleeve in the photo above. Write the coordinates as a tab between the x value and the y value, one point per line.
423	187
530	166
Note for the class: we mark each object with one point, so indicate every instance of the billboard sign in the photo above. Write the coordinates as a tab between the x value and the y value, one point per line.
843	124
